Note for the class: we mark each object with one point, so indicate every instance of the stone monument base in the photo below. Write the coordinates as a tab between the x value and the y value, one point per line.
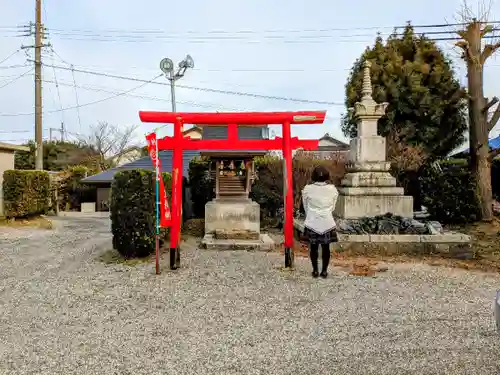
358	206
234	224
263	243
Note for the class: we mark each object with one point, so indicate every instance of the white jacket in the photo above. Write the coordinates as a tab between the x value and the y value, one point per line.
319	201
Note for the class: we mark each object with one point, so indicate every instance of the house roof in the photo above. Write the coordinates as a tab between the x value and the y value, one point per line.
328	137
494	144
143	163
210	132
10	147
193	129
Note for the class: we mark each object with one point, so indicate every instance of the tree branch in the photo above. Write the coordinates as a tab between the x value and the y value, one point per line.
464	46
494	119
490	104
489	50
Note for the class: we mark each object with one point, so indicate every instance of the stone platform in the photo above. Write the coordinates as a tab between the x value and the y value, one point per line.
234	224
264	243
438	238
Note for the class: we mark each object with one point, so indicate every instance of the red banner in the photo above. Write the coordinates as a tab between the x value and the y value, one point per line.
165	217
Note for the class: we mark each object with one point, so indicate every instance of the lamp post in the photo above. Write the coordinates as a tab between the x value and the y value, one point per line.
167	67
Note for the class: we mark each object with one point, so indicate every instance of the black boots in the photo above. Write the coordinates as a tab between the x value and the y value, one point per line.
325	255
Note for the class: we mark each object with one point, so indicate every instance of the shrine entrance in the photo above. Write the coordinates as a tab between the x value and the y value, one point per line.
230	181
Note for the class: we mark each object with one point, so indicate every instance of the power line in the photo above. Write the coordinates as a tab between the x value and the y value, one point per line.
106	90
85	104
227	92
8	57
14	66
76	96
270	31
15	79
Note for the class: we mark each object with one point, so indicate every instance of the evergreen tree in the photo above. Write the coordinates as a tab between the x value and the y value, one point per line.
427	106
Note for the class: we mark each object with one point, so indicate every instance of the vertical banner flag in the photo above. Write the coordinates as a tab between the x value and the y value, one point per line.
165	216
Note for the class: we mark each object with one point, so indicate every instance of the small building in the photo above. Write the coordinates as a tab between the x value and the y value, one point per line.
328	148
104	179
7	151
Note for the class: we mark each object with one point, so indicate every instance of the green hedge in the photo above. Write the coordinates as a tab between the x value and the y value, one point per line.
202	188
26	193
133	212
449	192
495	179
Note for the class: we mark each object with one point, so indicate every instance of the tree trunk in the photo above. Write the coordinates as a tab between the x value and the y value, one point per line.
478	138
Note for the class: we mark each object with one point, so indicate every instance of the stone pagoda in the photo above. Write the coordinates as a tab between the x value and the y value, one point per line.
368	189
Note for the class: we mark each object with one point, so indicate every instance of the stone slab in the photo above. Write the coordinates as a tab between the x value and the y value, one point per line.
354	237
368	179
368	149
356	207
390	191
88	207
445	238
389	238
235	235
265	243
232	215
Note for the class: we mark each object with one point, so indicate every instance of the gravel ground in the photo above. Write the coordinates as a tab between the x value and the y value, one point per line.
64	312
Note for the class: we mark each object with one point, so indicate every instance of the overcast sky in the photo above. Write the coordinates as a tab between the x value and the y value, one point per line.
288	49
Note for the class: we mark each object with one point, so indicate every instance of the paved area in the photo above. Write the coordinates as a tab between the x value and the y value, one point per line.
64	312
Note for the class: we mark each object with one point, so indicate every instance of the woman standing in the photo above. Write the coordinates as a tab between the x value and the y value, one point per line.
319	199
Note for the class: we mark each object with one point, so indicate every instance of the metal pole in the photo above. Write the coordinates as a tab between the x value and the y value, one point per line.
62	131
288	192
157	192
38	87
172	92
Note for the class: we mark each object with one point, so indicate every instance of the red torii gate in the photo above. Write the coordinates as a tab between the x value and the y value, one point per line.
178	143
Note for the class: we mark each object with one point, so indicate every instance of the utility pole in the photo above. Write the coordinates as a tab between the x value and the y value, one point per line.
38	87
39	32
62	131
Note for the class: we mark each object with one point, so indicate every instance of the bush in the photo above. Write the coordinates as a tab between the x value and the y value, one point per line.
202	190
133	214
268	189
495	178
26	193
71	192
449	192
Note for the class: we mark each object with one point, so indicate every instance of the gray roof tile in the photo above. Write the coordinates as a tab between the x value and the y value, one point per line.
209	132
144	163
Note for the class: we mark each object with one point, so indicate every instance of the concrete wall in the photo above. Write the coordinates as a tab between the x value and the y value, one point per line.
6	163
103	195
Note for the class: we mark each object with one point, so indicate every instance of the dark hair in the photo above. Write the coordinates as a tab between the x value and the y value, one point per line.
320	174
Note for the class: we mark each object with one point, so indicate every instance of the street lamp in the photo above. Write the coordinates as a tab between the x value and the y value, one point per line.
167	67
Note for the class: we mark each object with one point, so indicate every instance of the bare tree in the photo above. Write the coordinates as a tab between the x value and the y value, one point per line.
480	123
109	142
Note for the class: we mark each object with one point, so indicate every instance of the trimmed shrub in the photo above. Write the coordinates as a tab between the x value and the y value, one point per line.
26	193
133	212
201	186
133	215
449	192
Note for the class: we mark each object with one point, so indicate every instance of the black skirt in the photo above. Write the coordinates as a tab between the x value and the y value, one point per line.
323	238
